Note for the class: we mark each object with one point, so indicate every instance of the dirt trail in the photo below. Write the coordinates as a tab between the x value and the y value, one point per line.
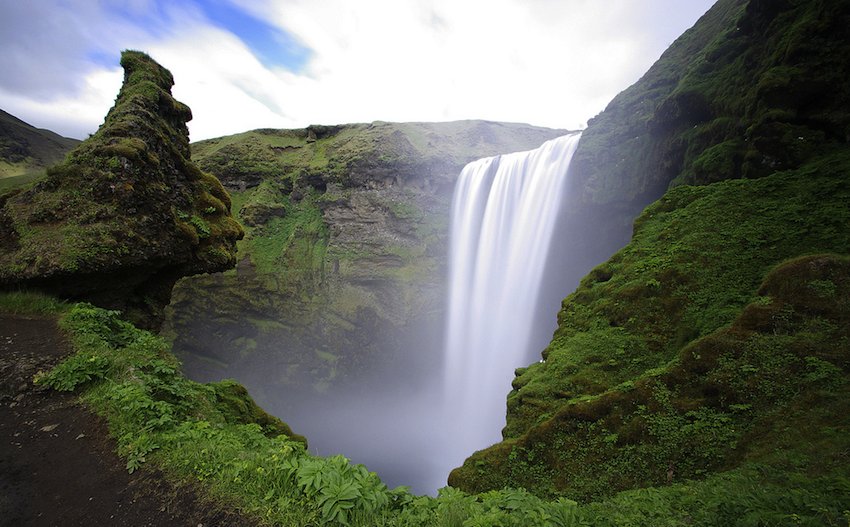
58	466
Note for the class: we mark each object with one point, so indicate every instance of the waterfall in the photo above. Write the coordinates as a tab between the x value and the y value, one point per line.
503	216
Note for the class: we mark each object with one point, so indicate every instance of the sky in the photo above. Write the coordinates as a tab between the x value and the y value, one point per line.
246	64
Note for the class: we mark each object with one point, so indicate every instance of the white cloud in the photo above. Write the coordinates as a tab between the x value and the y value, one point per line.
75	114
546	62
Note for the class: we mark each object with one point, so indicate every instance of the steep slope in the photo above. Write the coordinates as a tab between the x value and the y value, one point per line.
126	214
342	265
25	149
746	115
752	88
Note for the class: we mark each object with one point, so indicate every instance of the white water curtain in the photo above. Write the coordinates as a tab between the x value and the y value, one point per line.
503	217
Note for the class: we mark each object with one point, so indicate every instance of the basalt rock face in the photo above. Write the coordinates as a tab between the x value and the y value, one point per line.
127	213
341	273
656	373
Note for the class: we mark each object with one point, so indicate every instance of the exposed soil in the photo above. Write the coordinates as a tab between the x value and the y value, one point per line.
58	465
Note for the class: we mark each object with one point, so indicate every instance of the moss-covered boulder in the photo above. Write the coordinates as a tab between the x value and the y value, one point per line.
127	213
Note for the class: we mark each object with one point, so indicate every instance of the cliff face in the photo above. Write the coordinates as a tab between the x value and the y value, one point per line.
344	255
126	214
754	87
674	359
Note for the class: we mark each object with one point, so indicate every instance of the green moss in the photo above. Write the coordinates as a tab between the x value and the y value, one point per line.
697	258
741	94
727	397
293	245
237	407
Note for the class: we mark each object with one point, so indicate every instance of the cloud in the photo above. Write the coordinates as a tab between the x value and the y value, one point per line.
546	62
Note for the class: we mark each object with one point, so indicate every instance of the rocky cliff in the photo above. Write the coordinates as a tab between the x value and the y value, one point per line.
126	214
341	272
688	351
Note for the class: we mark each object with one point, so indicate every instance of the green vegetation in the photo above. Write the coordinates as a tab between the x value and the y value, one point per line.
213	434
126	213
23	180
349	155
767	394
286	238
610	396
741	94
30	303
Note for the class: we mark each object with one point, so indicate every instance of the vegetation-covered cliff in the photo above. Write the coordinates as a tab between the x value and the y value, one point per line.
126	214
694	349
342	266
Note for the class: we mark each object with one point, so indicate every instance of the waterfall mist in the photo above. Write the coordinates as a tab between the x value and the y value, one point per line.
504	213
432	391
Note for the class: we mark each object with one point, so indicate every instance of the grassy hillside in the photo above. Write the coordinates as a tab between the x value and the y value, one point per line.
642	385
26	151
645	383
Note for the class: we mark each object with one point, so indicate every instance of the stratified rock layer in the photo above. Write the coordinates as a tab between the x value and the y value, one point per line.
127	213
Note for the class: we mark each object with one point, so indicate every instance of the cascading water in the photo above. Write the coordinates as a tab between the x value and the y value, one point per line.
503	216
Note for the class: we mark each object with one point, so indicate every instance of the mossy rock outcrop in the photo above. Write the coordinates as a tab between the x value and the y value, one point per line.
754	87
741	130
770	388
127	213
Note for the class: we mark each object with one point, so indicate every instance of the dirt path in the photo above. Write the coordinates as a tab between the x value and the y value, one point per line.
58	466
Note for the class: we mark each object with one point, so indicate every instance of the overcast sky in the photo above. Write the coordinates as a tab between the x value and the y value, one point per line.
245	64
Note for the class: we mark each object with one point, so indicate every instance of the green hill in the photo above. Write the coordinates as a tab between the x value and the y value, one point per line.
26	151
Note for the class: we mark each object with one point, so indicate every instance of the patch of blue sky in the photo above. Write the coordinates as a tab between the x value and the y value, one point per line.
104	59
271	45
